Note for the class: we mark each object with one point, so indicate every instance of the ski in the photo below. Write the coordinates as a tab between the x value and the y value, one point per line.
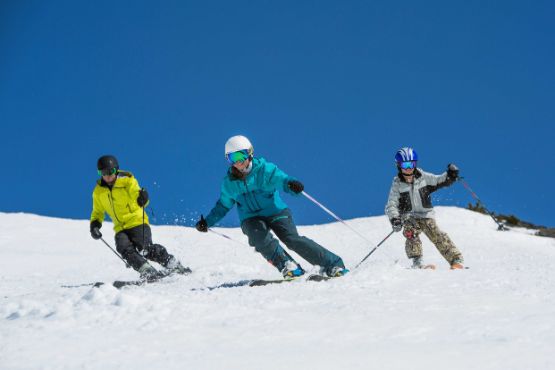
118	284
430	266
264	282
248	282
98	283
313	277
122	283
318	278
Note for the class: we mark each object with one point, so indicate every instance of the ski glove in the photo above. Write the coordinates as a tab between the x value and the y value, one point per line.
142	199
95	230
396	224
295	186
452	171
202	226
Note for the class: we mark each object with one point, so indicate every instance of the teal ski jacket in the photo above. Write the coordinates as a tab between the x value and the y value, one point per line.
255	195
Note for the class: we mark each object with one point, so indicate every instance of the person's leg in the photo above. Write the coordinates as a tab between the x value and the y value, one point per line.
261	239
442	241
125	247
140	237
284	227
413	244
158	253
154	252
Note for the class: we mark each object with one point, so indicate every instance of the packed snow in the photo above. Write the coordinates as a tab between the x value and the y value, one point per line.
498	314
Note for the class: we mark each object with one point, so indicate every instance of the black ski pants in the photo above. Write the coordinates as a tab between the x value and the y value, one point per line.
130	244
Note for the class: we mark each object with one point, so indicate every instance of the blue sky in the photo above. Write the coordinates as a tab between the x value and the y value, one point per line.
328	90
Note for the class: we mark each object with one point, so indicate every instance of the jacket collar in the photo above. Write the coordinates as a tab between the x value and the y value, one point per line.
235	174
417	175
121	174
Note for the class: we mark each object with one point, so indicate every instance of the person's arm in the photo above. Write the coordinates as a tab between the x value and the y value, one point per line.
97	217
445	179
98	212
280	180
136	193
222	207
392	205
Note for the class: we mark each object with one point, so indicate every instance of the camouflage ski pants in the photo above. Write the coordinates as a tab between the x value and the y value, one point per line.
413	245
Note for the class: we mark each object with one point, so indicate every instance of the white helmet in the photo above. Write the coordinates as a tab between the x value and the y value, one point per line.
237	143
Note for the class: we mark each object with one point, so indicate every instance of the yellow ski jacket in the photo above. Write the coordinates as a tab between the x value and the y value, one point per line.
119	201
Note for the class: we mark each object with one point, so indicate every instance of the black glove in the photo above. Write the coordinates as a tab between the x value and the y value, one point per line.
95	230
142	199
202	225
452	171
295	186
396	224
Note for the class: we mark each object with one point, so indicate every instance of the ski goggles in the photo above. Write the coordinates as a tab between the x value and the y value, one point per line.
107	171
239	156
407	165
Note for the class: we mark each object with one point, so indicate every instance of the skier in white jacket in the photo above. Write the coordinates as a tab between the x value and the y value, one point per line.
409	206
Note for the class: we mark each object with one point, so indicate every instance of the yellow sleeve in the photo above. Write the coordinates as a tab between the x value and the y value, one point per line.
133	189
98	210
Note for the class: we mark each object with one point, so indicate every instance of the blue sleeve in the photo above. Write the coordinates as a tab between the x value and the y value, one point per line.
277	178
222	207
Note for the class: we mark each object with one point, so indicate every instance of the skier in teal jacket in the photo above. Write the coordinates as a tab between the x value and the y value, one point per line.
253	185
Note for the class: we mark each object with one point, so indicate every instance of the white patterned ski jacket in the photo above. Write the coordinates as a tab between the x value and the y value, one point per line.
414	199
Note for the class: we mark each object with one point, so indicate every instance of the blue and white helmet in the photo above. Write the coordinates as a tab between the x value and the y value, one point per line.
406	154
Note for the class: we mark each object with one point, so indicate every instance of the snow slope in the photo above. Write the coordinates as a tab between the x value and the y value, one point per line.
499	314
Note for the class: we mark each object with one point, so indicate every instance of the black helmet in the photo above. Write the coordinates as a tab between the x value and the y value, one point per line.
107	165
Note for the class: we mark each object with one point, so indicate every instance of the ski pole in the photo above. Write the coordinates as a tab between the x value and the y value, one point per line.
501	227
334	216
144	246
143	207
116	253
376	247
344	223
226	236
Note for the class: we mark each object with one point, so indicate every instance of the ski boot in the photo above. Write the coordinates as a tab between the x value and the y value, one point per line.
417	264
292	270
336	271
457	264
174	266
149	273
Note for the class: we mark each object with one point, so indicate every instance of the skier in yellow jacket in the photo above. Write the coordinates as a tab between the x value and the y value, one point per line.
118	194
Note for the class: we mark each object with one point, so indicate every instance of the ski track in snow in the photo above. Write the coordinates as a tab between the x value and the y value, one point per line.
499	314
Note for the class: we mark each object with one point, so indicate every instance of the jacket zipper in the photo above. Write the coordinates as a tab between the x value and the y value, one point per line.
251	201
411	198
113	208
